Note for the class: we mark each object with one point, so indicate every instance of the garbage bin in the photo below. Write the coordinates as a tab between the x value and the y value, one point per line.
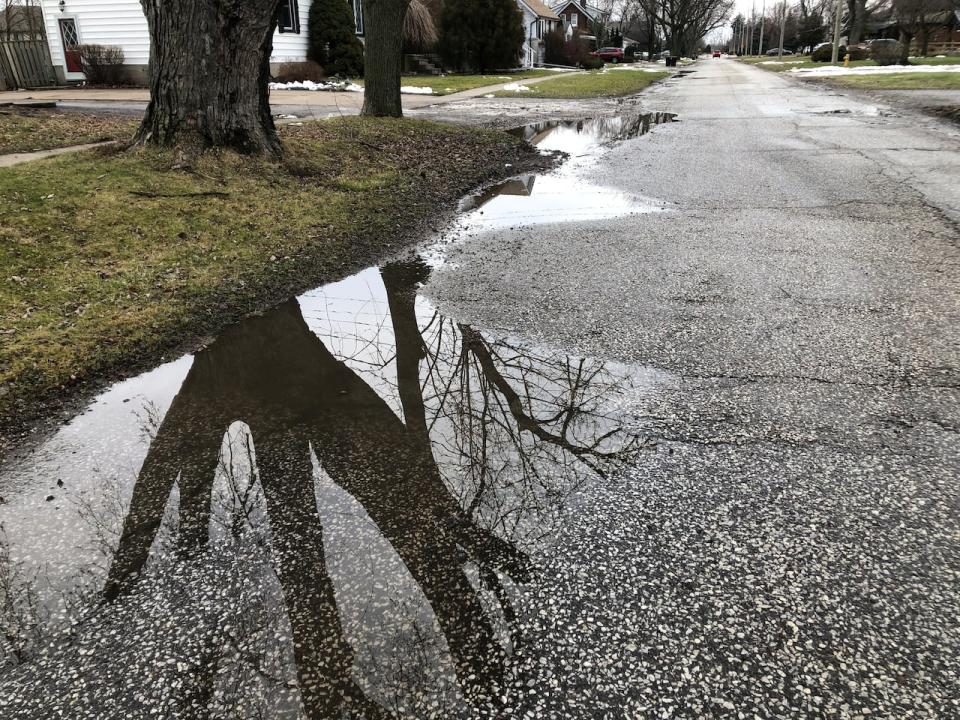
671	61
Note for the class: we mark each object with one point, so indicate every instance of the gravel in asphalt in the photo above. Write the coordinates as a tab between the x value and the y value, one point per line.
791	549
693	456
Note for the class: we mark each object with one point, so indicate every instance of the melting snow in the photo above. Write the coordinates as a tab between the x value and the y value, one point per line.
327	85
414	90
874	70
516	87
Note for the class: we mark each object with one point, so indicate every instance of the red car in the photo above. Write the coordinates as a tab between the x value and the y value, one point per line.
716	53
610	54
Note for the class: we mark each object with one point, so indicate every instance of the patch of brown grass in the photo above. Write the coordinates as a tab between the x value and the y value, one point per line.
31	129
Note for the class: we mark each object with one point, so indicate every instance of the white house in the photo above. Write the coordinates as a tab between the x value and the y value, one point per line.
121	22
538	20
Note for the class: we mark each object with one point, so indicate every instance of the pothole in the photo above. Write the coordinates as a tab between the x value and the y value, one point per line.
564	195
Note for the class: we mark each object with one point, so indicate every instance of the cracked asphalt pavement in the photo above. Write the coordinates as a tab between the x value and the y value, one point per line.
792	547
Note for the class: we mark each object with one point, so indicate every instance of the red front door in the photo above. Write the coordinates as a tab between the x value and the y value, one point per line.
71	40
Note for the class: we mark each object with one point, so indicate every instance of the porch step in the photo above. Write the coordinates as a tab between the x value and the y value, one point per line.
427	63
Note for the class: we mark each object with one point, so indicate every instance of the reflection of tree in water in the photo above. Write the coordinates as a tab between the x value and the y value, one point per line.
492	440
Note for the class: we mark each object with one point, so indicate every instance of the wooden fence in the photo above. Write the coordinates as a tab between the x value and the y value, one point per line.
25	63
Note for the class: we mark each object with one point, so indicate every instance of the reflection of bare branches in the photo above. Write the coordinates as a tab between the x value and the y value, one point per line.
103	512
149	418
567	412
510	425
493	440
21	615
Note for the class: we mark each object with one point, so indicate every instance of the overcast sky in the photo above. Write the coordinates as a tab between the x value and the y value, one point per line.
743	7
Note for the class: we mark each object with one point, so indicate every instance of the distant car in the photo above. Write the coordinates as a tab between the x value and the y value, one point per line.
776	51
716	53
610	54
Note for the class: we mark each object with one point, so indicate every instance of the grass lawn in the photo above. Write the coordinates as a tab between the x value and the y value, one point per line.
802	61
597	83
27	129
110	259
901	81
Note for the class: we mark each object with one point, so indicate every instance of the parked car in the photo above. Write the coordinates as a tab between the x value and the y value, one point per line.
610	54
716	53
776	51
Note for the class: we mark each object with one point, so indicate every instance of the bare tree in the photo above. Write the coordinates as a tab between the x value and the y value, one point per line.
209	75
685	22
21	18
911	18
383	56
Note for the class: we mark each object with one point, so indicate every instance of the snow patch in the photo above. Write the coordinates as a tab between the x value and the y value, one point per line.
516	87
831	71
325	86
414	90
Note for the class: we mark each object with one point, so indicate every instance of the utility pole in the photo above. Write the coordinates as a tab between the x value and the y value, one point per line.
783	25
763	21
838	12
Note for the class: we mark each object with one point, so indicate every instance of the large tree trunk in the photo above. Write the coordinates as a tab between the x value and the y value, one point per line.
209	75
857	10
676	41
383	56
906	37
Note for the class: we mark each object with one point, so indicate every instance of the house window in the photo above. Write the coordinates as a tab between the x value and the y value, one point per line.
574	19
289	21
358	15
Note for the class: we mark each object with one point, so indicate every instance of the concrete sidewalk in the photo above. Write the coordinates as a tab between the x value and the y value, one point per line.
301	102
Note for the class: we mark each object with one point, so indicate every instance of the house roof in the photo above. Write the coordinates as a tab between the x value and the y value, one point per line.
593	12
541	10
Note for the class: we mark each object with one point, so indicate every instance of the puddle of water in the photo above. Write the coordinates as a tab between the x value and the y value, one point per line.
564	195
334	503
335	506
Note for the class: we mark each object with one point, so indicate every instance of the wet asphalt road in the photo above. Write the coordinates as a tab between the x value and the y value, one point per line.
691	453
792	547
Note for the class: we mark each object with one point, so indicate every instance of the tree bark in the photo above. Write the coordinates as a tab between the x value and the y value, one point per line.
383	56
209	75
906	38
858	21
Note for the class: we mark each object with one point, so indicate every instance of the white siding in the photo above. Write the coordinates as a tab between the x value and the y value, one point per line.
121	23
528	53
291	47
106	22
